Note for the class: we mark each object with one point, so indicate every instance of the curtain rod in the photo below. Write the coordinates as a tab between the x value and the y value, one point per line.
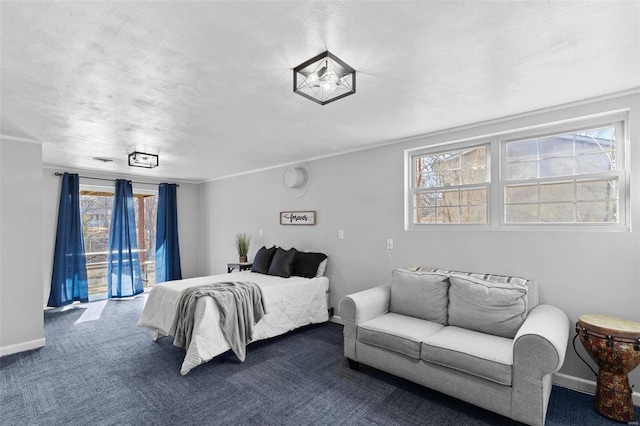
111	180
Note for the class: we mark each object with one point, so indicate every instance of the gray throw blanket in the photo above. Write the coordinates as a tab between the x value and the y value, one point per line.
240	305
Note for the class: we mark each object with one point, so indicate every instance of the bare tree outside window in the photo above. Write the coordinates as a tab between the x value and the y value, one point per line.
450	187
562	175
96	209
559	178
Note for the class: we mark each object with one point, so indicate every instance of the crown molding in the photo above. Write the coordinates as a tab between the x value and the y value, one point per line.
415	138
114	174
17	139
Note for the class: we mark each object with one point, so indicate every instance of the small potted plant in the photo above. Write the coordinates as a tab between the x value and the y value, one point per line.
243	241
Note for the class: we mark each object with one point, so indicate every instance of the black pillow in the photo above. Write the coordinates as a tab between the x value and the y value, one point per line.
282	263
262	260
306	264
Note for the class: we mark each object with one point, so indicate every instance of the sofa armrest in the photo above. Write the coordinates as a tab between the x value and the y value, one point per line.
359	307
539	350
542	340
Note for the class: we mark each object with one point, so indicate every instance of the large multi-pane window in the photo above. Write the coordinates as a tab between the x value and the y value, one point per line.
572	175
96	209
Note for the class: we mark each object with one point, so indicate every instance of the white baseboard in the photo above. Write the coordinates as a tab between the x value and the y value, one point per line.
21	347
337	320
584	386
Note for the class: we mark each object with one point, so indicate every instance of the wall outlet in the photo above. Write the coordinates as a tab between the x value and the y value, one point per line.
260	232
389	244
341	234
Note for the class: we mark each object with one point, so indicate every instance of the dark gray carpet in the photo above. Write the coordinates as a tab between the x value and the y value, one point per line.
109	372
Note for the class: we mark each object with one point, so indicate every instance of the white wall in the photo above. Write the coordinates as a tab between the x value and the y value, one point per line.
21	316
362	193
188	232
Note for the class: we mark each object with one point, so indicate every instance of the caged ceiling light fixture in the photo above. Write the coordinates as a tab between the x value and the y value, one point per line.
324	78
143	159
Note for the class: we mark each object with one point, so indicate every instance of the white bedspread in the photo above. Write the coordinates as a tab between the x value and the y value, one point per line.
289	303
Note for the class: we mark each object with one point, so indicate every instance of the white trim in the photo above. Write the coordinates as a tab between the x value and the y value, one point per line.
95	174
21	347
617	119
337	319
629	92
532	129
584	386
411	190
496	142
17	139
480	124
529	114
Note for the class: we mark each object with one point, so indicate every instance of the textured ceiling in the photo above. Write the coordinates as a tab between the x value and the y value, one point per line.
208	85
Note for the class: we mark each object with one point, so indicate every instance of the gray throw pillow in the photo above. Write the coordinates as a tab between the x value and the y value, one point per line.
420	295
486	306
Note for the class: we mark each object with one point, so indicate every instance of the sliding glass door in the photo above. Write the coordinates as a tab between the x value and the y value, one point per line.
96	205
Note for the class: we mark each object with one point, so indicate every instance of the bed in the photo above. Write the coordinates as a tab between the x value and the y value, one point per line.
289	303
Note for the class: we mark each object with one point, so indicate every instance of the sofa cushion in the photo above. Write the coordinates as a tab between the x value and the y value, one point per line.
532	286
420	294
483	355
487	277
485	306
396	332
532	295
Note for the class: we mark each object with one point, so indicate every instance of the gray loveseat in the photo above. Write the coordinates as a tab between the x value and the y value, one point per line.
484	339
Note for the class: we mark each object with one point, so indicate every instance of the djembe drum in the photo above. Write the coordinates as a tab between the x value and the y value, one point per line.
614	344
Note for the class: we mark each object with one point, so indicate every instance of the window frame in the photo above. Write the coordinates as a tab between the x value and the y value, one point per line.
412	190
497	184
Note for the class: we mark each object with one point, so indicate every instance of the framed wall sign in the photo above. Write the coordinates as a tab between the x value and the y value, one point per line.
298	218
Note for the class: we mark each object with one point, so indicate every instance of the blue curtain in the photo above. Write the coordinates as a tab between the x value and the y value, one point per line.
167	248
123	271
69	277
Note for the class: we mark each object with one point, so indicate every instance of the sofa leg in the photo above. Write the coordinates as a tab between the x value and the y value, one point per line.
354	365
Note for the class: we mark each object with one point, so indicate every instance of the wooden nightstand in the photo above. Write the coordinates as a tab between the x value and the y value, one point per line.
243	266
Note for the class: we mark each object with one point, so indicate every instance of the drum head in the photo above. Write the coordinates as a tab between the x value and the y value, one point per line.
606	325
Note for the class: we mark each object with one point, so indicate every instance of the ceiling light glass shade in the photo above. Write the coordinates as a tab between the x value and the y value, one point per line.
143	159
324	78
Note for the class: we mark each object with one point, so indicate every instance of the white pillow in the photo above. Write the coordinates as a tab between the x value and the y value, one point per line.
321	267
